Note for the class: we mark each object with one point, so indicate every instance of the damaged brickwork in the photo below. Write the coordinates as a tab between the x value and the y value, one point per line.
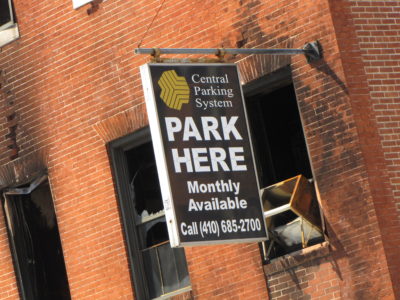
7	99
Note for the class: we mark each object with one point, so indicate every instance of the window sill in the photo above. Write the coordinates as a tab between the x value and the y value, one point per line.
79	3
187	289
297	258
9	35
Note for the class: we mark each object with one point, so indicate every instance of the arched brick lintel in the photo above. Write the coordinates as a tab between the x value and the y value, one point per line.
24	169
122	124
256	66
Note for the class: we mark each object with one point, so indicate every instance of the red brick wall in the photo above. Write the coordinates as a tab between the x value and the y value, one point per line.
226	272
310	274
76	86
368	55
377	25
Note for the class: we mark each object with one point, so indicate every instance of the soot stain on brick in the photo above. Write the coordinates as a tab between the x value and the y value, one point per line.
7	96
339	155
248	33
299	275
95	5
331	126
249	27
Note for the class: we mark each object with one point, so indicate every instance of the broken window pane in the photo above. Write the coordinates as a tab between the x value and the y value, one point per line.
165	268
144	185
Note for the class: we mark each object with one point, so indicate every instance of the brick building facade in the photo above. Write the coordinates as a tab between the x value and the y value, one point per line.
71	94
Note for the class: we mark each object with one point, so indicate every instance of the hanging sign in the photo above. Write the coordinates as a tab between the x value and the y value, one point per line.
203	153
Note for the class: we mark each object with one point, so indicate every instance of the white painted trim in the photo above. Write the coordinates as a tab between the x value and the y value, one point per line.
8	35
78	3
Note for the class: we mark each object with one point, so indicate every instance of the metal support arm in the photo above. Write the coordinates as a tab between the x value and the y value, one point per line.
312	51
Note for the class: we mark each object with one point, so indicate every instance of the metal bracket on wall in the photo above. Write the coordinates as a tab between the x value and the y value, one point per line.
312	51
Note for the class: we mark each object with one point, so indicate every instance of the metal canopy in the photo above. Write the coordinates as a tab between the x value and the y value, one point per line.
311	50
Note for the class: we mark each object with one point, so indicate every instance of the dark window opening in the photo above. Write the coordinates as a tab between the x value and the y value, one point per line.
158	271
278	137
35	242
143	180
283	166
6	14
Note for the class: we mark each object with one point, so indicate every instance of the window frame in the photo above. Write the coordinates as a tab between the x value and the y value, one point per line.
11	241
116	151
11	22
267	84
25	287
9	31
